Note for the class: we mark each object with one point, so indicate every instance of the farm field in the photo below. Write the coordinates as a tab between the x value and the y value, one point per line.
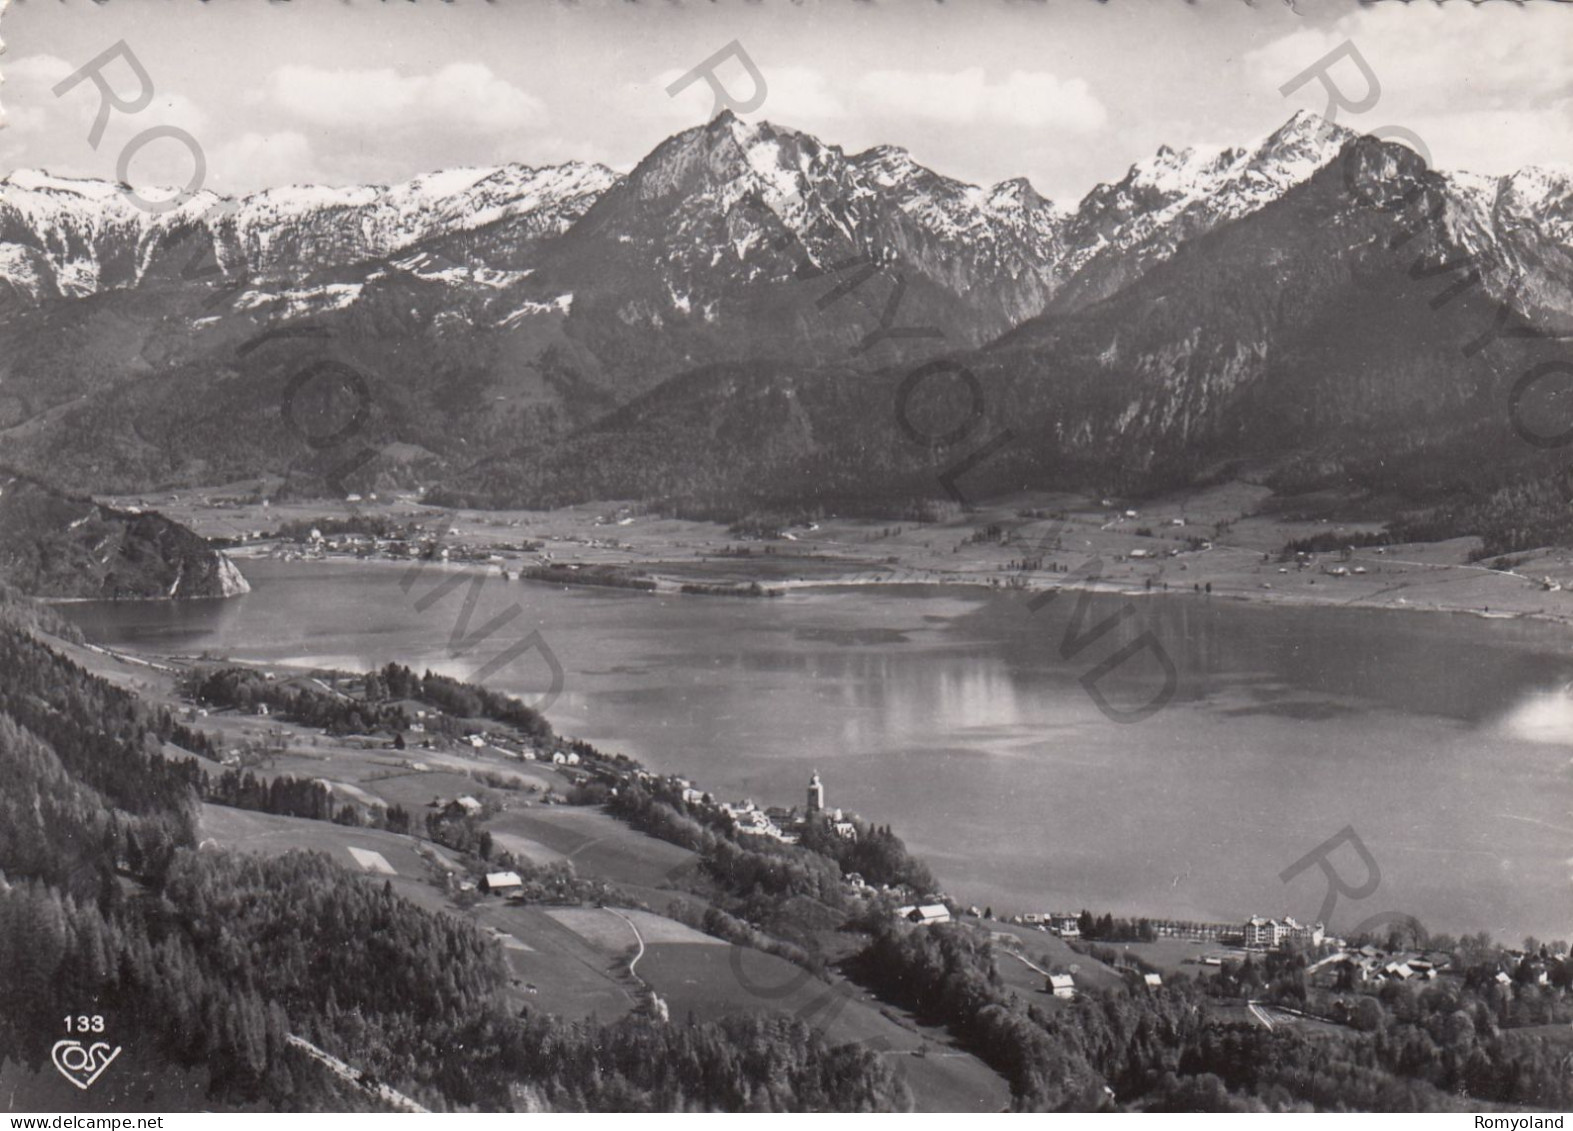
416	789
1283	1019
1021	977
1422	575
372	852
708	982
613	930
526	849
597	844
271	835
568	961
1170	956
572	977
1052	952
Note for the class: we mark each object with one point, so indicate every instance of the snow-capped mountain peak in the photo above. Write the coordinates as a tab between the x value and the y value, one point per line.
735	196
74	236
1176	194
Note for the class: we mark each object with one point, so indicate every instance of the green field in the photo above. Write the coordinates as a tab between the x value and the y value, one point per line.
1052	953
708	982
569	961
571	977
598	845
1171	956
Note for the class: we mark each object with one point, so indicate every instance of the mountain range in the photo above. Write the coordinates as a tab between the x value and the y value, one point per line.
737	321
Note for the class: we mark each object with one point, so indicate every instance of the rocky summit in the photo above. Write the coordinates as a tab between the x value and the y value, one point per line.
519	335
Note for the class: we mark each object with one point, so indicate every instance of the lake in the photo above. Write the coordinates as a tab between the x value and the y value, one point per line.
959	717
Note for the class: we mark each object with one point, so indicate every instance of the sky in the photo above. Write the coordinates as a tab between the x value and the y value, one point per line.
1067	93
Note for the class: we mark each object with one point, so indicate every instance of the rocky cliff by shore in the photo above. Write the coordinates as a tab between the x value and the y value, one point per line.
66	546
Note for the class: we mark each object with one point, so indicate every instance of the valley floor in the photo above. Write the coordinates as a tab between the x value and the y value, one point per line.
1220	541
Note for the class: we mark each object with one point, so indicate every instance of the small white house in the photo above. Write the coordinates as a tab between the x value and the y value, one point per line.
1066	926
1060	985
501	881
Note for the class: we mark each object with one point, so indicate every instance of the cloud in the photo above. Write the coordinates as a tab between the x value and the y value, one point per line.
1033	99
803	96
44	69
461	97
50	131
1462	54
793	96
801	93
24	79
1486	88
1498	140
256	158
28	93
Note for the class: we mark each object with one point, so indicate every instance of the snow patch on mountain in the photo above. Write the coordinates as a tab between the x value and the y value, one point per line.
1175	195
91	235
561	305
435	269
727	204
302	301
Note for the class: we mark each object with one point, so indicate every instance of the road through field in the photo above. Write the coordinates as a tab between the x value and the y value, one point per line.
634	961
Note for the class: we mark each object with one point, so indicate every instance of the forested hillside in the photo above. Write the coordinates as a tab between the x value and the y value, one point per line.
1167	1049
54	544
214	959
753	318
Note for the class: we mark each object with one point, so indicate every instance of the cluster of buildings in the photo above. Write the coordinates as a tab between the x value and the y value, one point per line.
414	542
924	914
1063	985
779	823
501	883
403	548
1056	923
1368	964
1257	933
1271	934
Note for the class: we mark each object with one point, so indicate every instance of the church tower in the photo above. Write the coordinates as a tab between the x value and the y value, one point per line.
816	794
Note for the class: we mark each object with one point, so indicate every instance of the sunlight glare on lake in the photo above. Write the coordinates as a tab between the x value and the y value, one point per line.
1543	716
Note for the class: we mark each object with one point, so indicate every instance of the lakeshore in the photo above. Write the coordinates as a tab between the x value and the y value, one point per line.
950	711
1223	541
549	800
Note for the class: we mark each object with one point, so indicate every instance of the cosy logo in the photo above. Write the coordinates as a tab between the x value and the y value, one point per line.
82	1064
